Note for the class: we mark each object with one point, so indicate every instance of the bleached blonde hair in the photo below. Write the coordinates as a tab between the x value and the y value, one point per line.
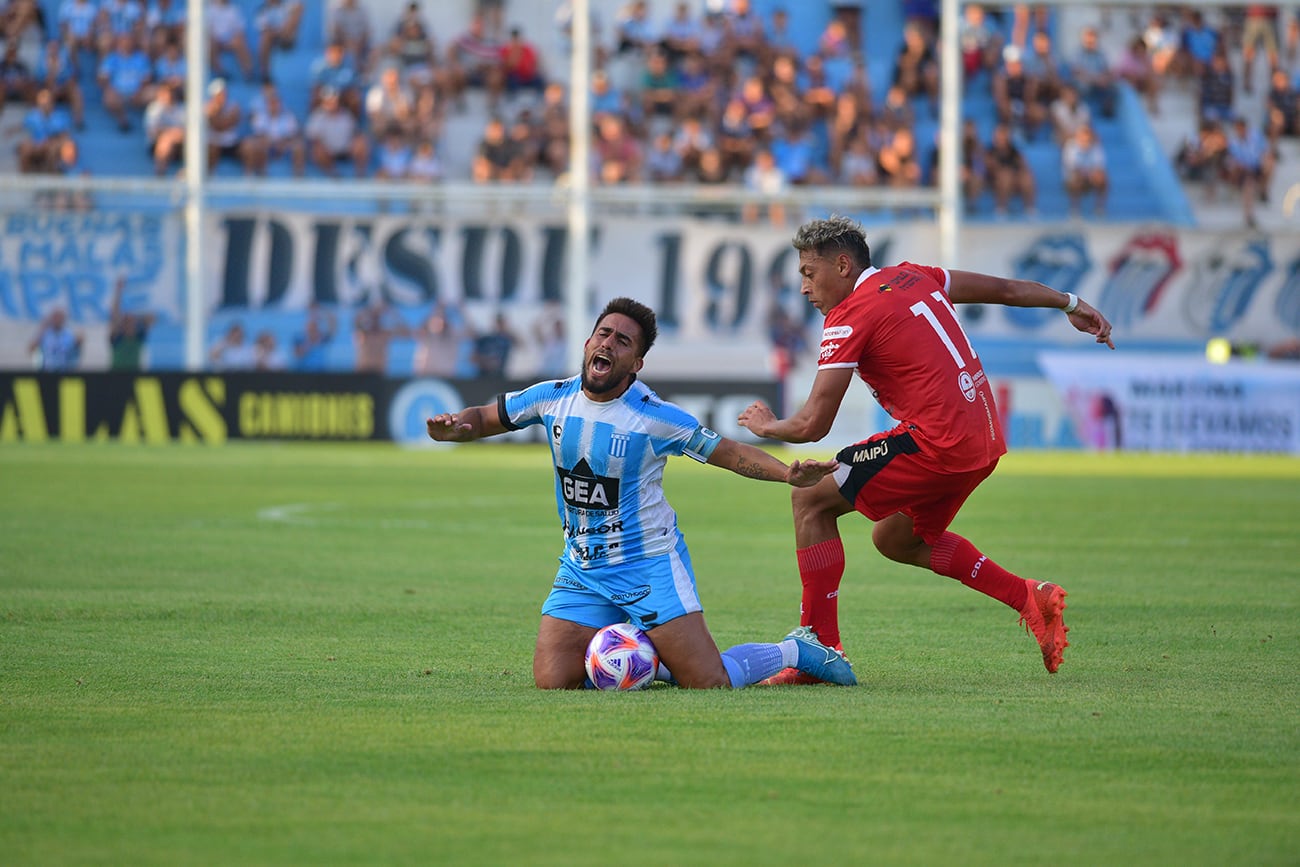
832	235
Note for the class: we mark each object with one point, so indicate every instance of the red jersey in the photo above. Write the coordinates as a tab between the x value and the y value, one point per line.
901	333
519	59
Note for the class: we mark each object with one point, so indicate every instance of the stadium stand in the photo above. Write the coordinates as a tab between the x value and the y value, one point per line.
1139	167
823	36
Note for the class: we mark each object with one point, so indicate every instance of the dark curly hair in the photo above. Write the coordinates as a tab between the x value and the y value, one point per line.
638	313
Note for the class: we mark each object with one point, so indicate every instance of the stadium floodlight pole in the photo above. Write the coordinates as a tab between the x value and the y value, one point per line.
950	204
579	221
196	160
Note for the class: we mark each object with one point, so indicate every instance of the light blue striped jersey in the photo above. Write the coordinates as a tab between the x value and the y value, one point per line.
609	465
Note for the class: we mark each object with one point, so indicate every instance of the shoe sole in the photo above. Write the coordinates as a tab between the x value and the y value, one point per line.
791	677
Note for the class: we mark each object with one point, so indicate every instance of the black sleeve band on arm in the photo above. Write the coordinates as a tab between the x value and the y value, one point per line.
501	413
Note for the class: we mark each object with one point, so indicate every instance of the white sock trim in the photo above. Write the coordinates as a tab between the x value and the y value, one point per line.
789	652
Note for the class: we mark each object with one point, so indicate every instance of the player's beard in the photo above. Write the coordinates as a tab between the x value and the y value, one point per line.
602	386
608	382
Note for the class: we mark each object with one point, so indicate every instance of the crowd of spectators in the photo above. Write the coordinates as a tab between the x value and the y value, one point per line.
1225	146
1227	143
132	54
714	93
445	343
726	97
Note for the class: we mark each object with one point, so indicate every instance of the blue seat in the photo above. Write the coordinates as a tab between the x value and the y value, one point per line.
105	150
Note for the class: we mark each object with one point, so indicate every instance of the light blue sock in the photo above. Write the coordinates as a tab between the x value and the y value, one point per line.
750	663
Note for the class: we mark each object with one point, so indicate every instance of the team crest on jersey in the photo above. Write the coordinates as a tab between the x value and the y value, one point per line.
967	386
583	489
618	445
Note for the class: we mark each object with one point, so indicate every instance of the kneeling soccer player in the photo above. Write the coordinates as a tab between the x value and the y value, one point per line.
624	558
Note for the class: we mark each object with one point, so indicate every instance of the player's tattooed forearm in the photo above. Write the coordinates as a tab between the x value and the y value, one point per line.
753	469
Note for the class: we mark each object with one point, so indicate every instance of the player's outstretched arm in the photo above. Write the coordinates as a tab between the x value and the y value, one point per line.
471	423
746	460
812	421
972	287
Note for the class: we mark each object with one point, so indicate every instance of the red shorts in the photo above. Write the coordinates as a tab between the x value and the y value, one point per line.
883	475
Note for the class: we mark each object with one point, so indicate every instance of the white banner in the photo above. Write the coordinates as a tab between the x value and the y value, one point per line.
1157	286
1167	403
72	261
713	283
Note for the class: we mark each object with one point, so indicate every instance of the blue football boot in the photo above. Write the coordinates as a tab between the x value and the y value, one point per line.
822	662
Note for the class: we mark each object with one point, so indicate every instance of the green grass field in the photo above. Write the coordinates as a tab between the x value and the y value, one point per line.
321	655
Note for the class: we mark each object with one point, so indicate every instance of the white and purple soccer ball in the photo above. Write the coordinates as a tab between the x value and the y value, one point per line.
620	656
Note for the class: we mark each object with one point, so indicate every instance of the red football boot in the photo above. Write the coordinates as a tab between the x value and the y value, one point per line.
1042	616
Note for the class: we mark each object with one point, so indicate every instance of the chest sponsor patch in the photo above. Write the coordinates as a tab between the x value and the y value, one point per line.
584	489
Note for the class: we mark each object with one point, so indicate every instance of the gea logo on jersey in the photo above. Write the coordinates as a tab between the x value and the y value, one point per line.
585	490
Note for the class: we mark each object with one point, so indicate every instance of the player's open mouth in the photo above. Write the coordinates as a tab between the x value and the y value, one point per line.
601	364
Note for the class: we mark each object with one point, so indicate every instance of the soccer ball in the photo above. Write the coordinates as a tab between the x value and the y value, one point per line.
620	656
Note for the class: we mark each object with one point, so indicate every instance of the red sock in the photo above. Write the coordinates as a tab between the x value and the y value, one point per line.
957	558
821	567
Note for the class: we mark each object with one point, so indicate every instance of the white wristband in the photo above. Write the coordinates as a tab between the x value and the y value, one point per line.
1072	304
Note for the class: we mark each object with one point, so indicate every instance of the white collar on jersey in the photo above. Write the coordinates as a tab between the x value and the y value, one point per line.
871	269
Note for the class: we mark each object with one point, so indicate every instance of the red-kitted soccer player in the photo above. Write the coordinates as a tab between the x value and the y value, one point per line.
896	327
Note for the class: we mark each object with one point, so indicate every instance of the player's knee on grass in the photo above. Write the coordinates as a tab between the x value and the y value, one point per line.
552	673
543	681
699	674
688	650
558	658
